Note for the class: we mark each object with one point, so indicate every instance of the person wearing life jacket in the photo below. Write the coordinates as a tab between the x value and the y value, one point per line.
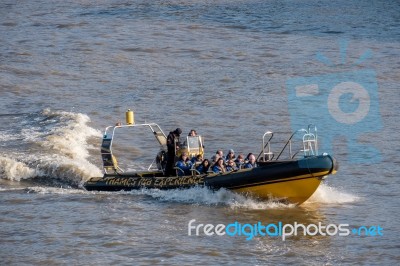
230	155
204	167
184	164
251	163
219	166
231	166
240	161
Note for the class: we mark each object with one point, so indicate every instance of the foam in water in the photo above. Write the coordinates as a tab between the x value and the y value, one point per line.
55	145
330	195
7	137
14	170
200	195
70	137
205	196
54	190
195	195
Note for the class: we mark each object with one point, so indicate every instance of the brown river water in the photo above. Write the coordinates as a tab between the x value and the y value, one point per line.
232	70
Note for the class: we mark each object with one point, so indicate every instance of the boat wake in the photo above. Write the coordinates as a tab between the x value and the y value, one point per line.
196	196
49	146
206	197
330	195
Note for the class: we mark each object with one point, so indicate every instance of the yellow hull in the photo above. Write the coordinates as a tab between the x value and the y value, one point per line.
295	190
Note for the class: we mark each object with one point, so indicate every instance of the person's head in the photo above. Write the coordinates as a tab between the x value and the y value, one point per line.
206	162
216	157
240	158
248	156
231	163
184	156
231	153
199	158
220	162
220	153
178	131
192	133
252	158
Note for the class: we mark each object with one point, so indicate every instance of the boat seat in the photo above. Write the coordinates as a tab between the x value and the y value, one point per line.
179	171
195	172
110	163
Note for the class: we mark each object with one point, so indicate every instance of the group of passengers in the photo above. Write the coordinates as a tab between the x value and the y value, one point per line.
231	162
218	163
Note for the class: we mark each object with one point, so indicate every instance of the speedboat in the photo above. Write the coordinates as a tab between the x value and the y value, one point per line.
291	180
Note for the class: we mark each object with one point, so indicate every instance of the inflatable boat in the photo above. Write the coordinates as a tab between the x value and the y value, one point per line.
291	180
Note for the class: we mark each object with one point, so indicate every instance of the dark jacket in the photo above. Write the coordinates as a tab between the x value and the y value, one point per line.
171	139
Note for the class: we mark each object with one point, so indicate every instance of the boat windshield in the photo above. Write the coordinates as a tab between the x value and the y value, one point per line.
195	145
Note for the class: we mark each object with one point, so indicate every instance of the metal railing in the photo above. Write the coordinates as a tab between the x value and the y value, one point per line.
309	141
109	160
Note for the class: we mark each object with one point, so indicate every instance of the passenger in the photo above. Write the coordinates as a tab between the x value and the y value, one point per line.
219	166
239	161
246	160
231	166
173	146
184	164
230	155
251	163
215	158
197	159
204	166
192	133
217	155
220	153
